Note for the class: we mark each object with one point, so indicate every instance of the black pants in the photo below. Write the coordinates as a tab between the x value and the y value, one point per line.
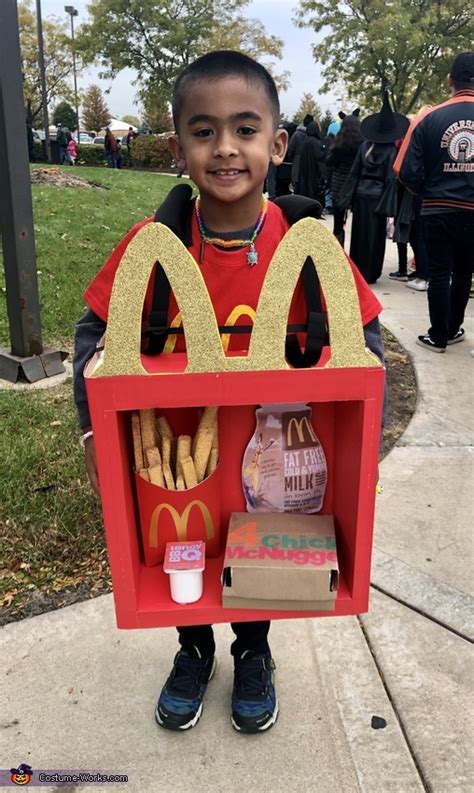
339	219
449	239
249	636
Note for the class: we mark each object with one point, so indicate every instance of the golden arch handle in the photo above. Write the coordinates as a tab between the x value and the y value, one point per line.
306	238
122	341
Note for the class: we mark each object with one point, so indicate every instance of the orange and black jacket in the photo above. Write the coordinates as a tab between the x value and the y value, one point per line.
436	158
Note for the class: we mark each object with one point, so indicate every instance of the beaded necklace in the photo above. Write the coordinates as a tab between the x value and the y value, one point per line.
252	255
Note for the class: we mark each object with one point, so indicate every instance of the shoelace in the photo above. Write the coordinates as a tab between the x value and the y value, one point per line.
187	674
252	678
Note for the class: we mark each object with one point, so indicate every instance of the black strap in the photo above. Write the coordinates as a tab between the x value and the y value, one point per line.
175	212
316	332
234	329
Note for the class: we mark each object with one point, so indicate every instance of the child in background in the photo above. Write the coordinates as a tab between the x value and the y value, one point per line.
72	151
226	114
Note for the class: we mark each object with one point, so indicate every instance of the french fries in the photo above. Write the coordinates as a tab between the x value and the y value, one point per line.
175	463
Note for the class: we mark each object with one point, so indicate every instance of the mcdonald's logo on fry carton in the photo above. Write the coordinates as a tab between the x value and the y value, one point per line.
280	561
180	520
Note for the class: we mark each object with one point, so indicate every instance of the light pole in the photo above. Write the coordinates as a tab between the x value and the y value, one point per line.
44	96
73	12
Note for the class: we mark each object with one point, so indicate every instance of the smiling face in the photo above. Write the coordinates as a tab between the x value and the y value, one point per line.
226	139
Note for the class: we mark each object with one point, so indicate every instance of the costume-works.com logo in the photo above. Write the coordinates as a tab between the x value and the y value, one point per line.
21	775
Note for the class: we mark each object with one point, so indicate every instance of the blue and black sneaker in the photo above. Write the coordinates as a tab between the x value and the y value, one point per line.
254	701
179	706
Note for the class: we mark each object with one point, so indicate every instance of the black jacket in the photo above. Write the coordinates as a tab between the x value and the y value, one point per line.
339	162
294	152
371	175
436	159
312	169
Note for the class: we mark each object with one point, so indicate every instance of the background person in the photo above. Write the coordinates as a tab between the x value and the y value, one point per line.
294	150
436	161
111	148
367	186
63	136
339	161
311	166
72	151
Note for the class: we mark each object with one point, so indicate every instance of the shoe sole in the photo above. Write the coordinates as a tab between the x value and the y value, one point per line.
456	341
194	720
428	347
264	728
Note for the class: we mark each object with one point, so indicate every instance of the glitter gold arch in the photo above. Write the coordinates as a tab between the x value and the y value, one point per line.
306	238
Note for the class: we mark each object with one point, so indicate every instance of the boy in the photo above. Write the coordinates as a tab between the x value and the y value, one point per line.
226	113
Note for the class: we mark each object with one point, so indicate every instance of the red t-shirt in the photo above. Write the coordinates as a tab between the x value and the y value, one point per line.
233	286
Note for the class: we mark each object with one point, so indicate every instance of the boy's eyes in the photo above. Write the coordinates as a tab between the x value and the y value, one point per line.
245	130
202	133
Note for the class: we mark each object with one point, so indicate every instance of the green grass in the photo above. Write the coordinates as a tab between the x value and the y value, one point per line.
75	230
51	534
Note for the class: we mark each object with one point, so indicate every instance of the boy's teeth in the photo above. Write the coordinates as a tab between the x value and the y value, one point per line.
226	173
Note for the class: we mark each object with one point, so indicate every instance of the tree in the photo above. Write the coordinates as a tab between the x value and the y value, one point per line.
308	106
95	113
158	119
57	56
66	115
133	121
158	40
404	45
327	119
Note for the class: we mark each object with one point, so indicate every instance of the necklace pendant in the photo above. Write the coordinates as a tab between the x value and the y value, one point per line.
252	256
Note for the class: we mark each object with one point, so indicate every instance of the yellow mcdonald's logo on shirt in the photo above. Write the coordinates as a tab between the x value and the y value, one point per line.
234	316
180	521
299	425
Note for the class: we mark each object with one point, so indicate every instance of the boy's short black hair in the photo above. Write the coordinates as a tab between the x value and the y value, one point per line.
224	63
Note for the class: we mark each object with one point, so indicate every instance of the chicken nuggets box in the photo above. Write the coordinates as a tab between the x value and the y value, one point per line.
280	561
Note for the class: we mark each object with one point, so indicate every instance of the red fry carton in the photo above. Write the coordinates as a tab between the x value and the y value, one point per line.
167	515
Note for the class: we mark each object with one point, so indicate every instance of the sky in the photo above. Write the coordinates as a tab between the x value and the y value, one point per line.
276	15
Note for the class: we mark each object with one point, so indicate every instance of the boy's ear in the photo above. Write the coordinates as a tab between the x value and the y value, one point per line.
176	150
279	146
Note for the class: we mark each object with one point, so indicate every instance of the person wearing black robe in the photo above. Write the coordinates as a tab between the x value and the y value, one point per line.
370	189
312	168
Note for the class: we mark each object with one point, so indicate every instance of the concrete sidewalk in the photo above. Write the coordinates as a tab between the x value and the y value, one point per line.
78	693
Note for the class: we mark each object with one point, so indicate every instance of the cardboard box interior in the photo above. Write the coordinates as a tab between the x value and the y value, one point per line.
339	427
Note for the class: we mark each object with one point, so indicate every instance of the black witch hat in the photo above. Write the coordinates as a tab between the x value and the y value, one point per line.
385	126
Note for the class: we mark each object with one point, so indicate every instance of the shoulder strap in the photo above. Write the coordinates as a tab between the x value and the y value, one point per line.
296	207
175	212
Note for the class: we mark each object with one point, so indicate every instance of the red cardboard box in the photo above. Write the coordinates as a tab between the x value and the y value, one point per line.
345	392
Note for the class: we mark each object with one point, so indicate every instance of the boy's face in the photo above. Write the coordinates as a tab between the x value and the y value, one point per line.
226	140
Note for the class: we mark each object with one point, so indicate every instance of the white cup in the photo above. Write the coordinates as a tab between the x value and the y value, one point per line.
186	586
